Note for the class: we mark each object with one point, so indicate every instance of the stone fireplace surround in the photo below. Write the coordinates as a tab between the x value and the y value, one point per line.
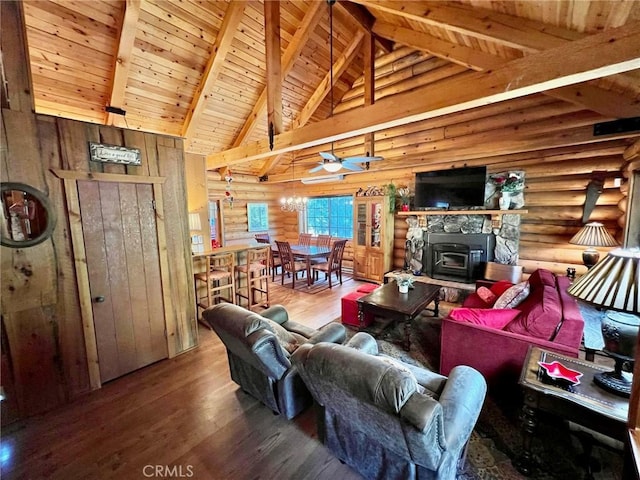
474	229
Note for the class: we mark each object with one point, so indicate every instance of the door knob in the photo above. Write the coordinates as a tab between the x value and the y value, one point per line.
99	299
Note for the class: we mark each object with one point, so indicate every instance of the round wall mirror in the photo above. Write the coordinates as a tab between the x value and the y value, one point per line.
28	218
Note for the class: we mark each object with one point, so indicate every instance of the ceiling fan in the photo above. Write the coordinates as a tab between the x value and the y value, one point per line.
330	161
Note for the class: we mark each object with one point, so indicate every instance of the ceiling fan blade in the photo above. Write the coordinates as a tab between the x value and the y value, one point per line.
352	167
362	159
316	169
329	156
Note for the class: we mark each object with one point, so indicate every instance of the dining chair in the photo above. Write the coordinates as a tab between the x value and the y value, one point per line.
322	241
255	271
274	260
289	263
304	239
218	279
334	264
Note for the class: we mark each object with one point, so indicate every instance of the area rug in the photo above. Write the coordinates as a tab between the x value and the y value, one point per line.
497	440
317	286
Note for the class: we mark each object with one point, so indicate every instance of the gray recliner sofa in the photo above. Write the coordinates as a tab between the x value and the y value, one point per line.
259	349
387	419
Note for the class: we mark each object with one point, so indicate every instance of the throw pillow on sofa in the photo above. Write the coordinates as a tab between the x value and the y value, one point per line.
489	317
513	297
487	295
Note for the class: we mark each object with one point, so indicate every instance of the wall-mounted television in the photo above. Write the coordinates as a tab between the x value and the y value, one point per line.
453	188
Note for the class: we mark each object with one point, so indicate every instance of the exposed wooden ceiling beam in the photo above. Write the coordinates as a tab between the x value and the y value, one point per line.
605	102
318	96
123	58
608	53
365	21
299	40
274	69
221	46
509	31
323	89
528	36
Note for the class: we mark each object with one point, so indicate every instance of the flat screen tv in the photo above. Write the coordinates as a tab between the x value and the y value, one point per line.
453	188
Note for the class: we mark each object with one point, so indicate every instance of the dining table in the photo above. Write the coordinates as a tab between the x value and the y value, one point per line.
306	252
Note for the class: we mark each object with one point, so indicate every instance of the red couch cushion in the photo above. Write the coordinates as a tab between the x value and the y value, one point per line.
542	277
500	287
539	314
490	317
474	301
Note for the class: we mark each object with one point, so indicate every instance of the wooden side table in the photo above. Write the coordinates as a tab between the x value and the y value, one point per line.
585	404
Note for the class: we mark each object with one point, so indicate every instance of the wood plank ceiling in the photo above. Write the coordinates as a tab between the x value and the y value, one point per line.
198	69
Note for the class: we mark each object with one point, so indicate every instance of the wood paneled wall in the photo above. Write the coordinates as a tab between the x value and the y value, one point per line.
556	185
44	362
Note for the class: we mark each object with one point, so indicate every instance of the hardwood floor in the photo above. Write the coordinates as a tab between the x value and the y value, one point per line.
179	418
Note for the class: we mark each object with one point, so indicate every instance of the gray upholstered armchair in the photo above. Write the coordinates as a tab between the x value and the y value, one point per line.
387	419
259	347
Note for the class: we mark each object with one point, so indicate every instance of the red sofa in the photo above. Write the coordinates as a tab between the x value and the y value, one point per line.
549	318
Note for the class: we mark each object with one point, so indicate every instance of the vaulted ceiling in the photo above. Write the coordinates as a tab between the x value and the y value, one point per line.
406	73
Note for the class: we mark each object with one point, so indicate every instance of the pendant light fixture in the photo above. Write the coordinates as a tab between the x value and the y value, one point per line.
293	203
330	161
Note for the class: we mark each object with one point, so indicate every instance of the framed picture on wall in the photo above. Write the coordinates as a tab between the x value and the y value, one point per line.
258	217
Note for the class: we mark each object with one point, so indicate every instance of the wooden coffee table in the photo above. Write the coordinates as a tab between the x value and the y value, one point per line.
386	301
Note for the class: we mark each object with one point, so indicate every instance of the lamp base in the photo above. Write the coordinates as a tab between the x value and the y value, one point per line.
590	257
613	382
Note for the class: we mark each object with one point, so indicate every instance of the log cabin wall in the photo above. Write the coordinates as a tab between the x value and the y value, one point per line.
555	191
44	361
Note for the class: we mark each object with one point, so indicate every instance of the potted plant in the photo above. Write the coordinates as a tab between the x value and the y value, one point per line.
405	197
507	184
404	281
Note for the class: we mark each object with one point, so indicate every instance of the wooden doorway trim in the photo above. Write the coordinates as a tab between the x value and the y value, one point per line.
71	179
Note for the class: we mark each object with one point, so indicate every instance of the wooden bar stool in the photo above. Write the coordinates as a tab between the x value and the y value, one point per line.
217	278
256	277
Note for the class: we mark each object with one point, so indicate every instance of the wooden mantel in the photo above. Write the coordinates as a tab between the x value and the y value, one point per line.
496	215
461	212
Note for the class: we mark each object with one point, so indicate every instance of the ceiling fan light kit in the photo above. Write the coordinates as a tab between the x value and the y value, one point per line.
332	167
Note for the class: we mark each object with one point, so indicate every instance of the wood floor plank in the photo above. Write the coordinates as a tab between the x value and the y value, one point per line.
184	412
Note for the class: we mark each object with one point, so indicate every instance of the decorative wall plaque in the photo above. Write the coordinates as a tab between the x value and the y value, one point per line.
114	154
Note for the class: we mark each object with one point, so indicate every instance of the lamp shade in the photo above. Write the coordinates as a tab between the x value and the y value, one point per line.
594	235
613	283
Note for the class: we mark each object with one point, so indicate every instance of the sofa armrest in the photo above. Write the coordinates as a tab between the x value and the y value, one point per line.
332	333
277	313
498	355
462	399
364	342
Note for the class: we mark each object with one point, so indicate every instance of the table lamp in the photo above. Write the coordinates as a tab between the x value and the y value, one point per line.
593	235
614	284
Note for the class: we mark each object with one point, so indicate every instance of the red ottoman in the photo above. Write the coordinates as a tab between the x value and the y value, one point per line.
350	310
367	287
